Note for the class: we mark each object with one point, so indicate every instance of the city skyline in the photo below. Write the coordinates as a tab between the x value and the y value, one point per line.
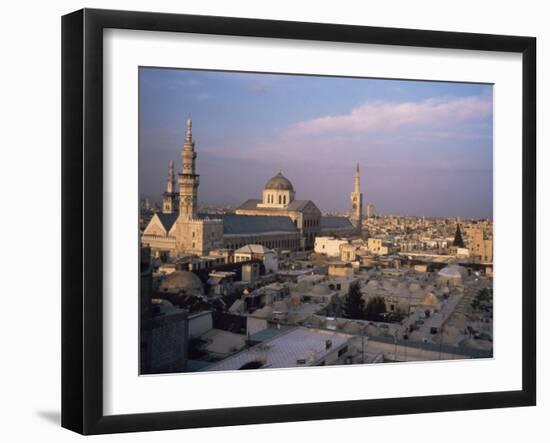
425	148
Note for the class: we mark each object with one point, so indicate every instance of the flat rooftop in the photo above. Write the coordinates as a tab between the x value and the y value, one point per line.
285	349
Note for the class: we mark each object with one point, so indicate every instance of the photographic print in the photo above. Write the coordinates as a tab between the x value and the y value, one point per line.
290	221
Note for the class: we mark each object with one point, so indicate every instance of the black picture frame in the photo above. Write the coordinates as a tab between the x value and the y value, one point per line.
82	218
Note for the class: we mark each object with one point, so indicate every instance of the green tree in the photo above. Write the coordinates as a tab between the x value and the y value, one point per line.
375	308
458	241
354	306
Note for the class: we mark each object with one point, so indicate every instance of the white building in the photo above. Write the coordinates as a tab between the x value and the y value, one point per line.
376	246
258	252
297	347
329	246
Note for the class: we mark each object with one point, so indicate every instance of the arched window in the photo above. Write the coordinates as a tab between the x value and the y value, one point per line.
284	199
279	199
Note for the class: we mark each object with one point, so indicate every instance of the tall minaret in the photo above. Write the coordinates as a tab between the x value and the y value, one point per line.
169	198
188	180
356	215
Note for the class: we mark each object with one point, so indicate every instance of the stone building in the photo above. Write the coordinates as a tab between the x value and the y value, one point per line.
276	221
278	200
480	245
163	328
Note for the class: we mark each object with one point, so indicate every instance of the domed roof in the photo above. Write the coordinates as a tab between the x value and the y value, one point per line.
430	299
372	330
352	327
279	183
181	280
453	272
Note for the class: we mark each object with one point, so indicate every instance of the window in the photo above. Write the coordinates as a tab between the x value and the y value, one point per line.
284	199
193	245
280	199
193	234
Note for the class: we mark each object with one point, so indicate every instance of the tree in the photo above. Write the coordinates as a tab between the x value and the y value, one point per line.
375	308
458	242
354	307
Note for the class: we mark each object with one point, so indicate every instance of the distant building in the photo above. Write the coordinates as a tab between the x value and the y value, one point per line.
376	246
480	246
370	210
278	200
329	246
258	252
340	269
348	252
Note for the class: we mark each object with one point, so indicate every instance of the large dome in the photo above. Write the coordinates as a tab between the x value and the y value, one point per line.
181	280
279	183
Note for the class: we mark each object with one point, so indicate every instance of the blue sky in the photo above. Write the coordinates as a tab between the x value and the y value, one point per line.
425	148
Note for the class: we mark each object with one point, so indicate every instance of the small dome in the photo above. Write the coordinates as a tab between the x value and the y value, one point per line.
181	280
372	330
430	299
279	183
453	272
352	327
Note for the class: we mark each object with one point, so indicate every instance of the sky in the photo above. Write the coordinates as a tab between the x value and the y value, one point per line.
424	148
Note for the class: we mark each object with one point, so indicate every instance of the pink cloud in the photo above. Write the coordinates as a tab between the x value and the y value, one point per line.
383	117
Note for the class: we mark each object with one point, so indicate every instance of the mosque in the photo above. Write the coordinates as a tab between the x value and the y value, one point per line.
278	220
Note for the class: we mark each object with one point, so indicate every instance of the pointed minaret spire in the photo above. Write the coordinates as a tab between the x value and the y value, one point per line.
170	181
188	179
169	198
356	213
189	131
357	187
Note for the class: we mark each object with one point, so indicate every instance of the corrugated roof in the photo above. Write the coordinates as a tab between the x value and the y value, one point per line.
331	222
256	224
